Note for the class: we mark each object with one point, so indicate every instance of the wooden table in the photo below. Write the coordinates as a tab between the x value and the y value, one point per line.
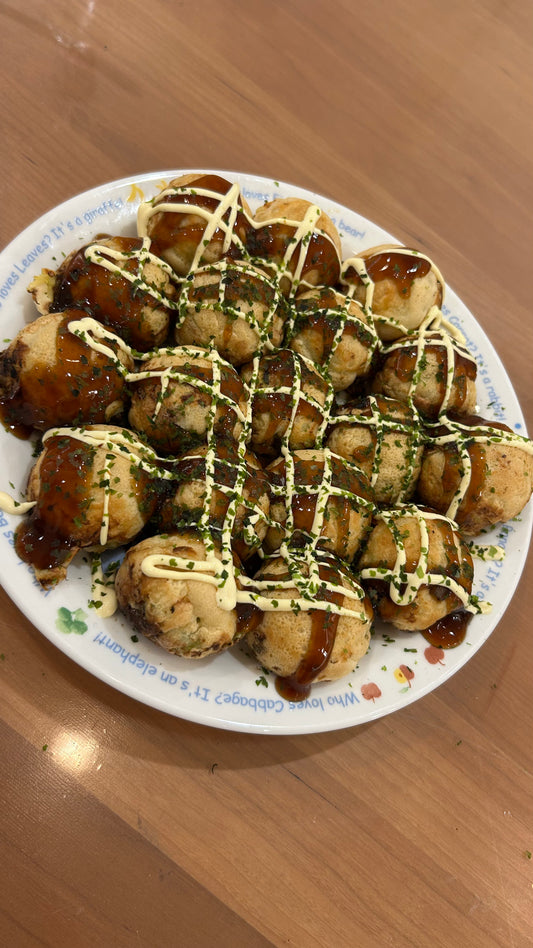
147	830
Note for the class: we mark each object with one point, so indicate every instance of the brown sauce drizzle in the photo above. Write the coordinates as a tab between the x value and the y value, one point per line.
271	241
105	294
76	388
403	268
325	329
464	369
297	687
451	477
458	563
449	631
465	366
308	478
174	435
231	385
303	511
277	409
403	360
476	421
17	429
46	537
403	363
235	285
364	455
174	513
248	618
227	333
187	230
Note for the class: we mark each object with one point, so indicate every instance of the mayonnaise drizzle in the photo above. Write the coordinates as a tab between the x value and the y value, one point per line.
339	313
180	371
117	445
462	435
214	218
300	239
382	425
218	569
358	263
93	334
114	260
303	566
221	269
11	506
230	202
404	586
440	338
323	491
104	597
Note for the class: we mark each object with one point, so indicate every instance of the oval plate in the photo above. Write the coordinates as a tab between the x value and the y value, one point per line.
231	691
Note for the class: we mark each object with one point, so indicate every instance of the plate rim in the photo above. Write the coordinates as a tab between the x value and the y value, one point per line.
88	660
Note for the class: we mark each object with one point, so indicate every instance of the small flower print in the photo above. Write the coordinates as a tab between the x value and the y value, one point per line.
68	621
403	675
433	655
135	194
371	691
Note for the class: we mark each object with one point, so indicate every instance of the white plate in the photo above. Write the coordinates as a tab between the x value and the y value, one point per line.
231	691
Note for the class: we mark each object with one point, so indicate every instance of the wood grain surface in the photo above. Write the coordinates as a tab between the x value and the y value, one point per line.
139	830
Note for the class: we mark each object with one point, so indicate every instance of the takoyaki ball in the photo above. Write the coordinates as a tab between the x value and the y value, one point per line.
332	330
198	219
172	399
416	568
433	372
50	375
89	490
288	402
384	438
477	472
233	306
178	610
400	287
239	496
298	241
302	646
107	280
320	496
